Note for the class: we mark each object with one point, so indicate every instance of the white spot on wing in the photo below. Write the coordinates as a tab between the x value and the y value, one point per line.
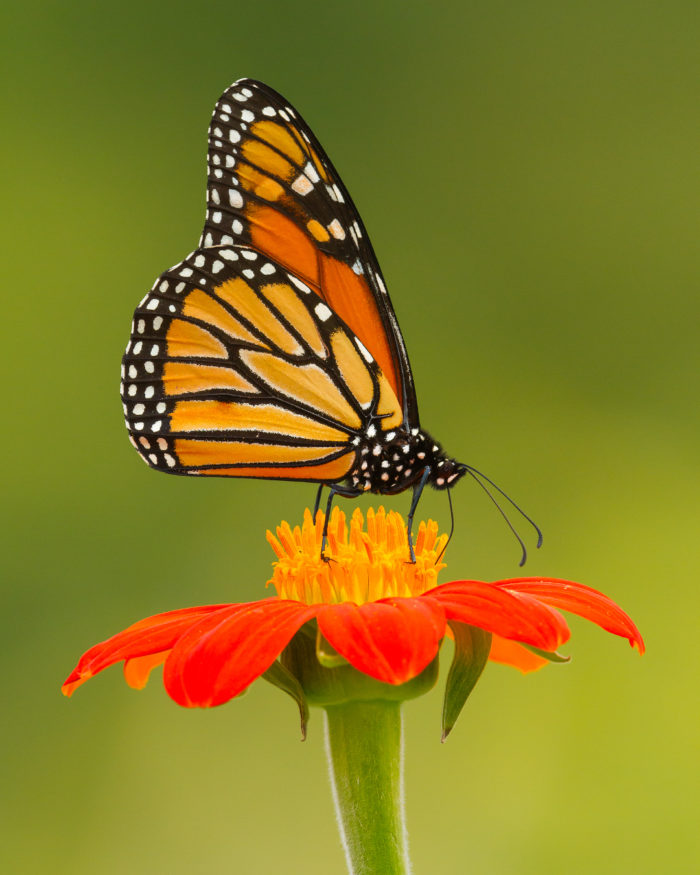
366	354
336	230
322	311
302	185
299	284
310	171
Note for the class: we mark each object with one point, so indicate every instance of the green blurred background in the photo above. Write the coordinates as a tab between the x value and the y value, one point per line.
527	173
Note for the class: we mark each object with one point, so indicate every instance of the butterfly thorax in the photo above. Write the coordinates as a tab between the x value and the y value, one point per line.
389	462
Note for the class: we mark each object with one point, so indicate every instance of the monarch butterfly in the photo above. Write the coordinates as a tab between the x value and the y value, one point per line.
273	350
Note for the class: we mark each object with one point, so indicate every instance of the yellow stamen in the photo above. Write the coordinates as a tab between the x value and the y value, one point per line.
359	566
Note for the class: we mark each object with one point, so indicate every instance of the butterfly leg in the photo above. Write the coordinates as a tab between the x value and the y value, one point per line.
417	490
317	503
346	492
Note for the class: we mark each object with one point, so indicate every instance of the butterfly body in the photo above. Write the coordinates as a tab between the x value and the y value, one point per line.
273	349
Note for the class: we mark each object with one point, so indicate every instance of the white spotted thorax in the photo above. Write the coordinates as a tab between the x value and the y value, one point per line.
389	462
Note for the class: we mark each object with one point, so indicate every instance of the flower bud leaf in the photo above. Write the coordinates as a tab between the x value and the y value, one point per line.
471	654
549	656
283	679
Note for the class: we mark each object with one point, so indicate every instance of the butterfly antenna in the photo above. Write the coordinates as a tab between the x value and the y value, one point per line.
510	500
475	476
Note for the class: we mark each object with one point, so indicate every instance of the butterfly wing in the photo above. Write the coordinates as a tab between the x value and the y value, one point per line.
272	187
236	367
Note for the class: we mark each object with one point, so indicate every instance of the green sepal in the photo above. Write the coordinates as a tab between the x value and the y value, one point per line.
472	646
550	656
341	683
326	654
283	679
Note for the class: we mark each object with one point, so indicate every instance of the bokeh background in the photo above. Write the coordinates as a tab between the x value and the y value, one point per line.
528	175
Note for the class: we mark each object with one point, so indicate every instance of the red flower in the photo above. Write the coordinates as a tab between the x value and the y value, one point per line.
385	616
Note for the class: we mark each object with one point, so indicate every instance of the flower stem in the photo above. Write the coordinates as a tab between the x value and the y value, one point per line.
364	744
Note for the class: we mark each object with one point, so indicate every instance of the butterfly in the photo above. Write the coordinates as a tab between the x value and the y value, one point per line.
273	350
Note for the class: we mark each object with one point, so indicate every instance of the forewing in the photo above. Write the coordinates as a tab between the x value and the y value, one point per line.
235	367
271	186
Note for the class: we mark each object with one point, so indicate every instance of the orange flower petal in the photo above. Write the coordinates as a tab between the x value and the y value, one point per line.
581	600
514	654
152	635
391	640
138	670
225	652
517	616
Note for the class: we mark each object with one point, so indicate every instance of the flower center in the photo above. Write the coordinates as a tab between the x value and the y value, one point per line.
359	566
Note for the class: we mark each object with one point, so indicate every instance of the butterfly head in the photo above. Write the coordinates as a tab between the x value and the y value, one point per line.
446	472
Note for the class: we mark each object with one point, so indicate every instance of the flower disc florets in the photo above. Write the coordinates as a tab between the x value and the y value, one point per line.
357	566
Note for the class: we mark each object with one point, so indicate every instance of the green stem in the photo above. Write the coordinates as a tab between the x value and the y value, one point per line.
364	744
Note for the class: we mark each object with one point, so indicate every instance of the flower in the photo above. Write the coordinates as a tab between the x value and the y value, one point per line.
383	615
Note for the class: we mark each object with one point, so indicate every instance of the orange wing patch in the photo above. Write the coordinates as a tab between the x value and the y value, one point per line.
193	453
306	384
352	369
279	237
317	231
240	416
190	341
287	302
349	295
239	295
200	305
267	159
280	138
180	378
388	405
336	469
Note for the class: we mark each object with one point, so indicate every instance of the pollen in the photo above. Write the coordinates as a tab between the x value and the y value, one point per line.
360	563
